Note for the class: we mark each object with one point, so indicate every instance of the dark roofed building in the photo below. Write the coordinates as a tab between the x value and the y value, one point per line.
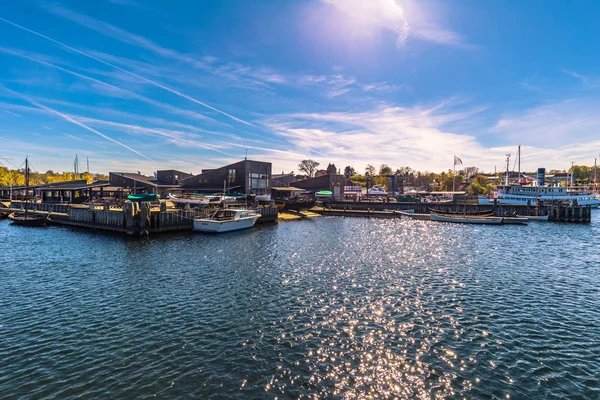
135	183
247	176
171	177
332	182
283	179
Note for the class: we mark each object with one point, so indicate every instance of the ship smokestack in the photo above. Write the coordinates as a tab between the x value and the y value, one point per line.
541	177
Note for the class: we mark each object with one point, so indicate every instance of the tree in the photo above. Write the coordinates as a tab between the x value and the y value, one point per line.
308	166
349	171
370	170
385	169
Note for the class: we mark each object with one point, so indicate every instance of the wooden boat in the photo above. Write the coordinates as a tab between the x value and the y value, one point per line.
295	204
227	220
467	219
3	215
28	219
483	213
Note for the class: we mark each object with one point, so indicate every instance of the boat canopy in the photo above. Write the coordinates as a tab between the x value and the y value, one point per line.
324	193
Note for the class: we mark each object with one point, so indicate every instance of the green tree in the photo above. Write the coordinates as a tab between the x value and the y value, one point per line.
370	170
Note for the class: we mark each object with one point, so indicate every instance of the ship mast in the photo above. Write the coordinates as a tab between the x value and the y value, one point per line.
519	158
507	166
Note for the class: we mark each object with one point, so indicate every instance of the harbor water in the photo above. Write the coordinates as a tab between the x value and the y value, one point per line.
323	308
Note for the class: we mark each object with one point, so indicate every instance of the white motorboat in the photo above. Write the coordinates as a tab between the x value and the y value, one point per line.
263	197
376	191
226	221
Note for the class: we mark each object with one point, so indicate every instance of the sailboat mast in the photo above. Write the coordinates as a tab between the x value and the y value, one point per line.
26	183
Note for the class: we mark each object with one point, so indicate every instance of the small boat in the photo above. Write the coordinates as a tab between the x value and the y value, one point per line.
28	219
467	219
143	197
263	197
296	203
376	191
3	215
193	200
482	213
227	220
537	217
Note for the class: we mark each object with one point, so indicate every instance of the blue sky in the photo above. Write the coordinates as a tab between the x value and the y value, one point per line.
147	85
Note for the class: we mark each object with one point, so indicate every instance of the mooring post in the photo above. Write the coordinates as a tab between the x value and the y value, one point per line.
145	218
128	212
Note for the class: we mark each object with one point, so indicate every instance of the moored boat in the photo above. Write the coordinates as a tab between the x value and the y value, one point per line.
226	220
143	197
467	219
28	219
537	217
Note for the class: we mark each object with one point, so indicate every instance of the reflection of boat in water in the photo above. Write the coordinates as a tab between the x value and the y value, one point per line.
226	221
27	219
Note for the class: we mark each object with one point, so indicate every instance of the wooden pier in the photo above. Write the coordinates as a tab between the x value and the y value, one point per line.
130	218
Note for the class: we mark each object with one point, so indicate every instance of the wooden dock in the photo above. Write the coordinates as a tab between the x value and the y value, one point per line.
130	218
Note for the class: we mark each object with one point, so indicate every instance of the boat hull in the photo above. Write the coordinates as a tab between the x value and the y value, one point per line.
212	226
29	220
467	219
537	218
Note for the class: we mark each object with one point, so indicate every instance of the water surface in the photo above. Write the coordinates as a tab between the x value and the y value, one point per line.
328	308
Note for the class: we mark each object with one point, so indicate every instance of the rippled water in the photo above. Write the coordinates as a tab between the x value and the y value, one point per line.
329	308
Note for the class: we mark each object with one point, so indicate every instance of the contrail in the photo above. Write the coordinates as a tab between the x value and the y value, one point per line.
168	89
89	78
71	120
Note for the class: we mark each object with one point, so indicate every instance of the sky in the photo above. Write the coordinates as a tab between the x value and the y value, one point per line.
144	85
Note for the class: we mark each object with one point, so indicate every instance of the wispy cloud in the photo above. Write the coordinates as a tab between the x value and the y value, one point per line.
394	16
14	114
149	81
529	86
575	75
71	120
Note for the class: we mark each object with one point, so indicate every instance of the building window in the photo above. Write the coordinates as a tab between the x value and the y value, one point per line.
231	177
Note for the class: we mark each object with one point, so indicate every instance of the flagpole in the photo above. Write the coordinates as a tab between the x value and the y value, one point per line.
454	175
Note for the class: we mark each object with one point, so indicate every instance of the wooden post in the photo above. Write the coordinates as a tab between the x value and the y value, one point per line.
128	212
145	218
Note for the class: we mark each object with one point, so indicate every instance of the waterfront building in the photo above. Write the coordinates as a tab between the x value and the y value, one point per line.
244	177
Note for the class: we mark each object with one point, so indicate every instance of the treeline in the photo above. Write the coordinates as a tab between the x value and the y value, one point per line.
469	179
17	177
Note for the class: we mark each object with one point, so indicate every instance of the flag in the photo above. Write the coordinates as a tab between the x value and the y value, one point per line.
457	161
